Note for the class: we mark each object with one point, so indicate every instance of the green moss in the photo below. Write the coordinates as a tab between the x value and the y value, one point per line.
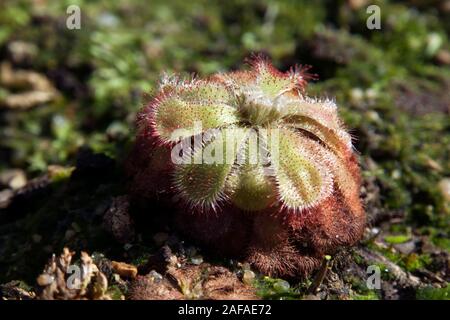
140	255
443	243
413	261
61	173
360	291
357	258
408	262
370	295
396	239
270	288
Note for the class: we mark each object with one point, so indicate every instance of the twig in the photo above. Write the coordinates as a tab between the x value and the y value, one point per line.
318	279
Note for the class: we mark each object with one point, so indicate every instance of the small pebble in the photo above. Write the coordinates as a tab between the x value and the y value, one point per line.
373	116
248	277
406	247
116	277
434	43
197	260
155	276
356	95
13	178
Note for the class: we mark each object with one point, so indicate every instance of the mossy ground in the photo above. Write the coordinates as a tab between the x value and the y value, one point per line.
391	86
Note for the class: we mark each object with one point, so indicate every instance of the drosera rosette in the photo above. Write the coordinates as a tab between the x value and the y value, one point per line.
252	167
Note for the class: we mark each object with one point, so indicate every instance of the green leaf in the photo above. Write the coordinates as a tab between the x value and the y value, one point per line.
192	110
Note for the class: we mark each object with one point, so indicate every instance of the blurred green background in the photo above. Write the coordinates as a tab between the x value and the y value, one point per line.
392	85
